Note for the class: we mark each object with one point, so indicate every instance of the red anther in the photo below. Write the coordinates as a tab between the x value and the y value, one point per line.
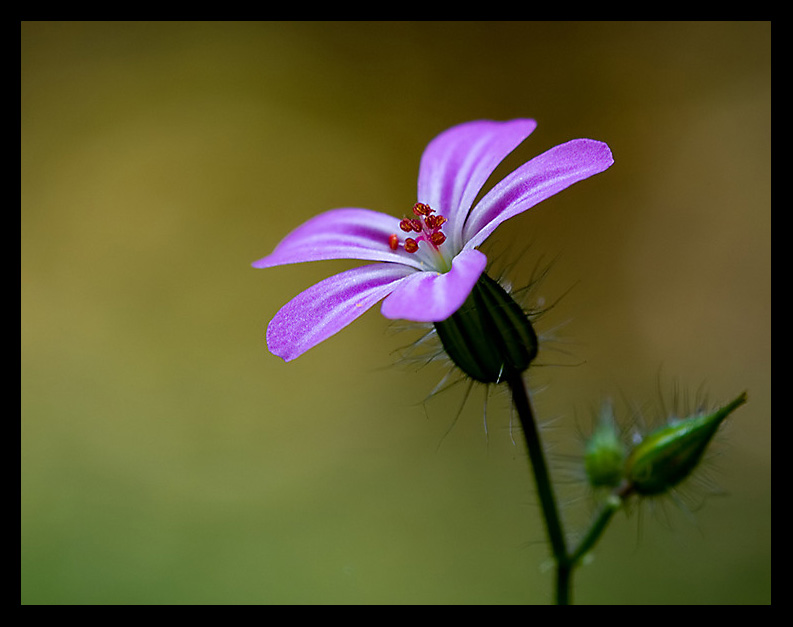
406	225
416	224
420	209
393	242
437	238
410	245
434	222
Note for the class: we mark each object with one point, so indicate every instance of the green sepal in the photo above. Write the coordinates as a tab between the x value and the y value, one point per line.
604	457
490	336
667	456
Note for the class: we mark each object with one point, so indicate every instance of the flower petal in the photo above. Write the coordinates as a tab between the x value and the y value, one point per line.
326	308
340	234
540	178
457	163
433	296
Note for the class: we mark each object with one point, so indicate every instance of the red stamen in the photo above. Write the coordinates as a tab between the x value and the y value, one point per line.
425	224
434	222
420	209
437	238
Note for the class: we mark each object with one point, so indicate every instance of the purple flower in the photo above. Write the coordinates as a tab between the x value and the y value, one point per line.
429	260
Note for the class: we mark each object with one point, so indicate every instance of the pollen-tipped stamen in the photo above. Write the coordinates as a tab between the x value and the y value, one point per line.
427	224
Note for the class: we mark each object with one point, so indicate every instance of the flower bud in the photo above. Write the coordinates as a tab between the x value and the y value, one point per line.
489	337
604	457
667	456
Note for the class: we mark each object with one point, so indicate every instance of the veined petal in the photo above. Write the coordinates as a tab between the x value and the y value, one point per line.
434	296
457	163
327	307
533	182
340	234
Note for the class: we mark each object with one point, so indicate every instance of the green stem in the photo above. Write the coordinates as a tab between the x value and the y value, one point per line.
565	561
542	479
607	510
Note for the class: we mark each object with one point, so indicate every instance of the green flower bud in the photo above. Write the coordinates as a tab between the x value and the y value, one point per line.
604	457
490	336
667	456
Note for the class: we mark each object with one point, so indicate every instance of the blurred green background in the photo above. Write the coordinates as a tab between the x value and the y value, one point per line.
168	458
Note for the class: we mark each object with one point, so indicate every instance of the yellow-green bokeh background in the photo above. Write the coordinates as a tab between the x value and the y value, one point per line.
168	458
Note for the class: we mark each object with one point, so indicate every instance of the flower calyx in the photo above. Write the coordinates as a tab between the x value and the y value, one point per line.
490	337
668	455
660	461
604	456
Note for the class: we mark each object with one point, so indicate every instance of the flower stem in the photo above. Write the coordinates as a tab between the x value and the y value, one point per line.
607	510
542	479
565	561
